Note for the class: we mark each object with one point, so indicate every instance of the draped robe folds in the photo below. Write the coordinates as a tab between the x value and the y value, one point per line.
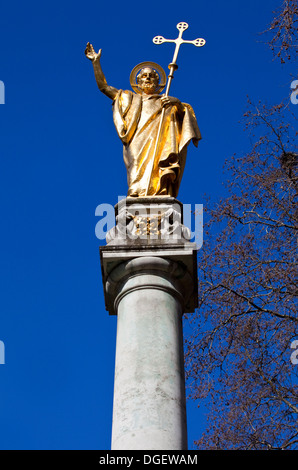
136	118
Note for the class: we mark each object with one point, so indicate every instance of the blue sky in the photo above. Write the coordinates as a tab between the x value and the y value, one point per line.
60	158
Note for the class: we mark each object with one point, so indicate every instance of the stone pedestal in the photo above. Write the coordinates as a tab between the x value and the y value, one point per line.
150	279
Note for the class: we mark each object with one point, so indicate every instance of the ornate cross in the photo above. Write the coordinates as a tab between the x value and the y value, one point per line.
199	42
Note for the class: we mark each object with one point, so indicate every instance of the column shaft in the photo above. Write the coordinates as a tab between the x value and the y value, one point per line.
149	411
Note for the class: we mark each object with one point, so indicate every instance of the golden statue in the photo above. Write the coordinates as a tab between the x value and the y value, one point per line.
155	129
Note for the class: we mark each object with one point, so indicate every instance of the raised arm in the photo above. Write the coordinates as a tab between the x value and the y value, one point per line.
99	76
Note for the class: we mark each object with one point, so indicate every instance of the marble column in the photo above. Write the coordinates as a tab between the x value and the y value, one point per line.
149	284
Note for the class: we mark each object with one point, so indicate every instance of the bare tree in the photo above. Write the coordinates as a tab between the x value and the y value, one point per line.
238	356
284	31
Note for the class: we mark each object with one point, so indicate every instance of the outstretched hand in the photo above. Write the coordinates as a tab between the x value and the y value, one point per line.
91	54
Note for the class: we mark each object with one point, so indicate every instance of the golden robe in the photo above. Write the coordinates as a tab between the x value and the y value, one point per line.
136	118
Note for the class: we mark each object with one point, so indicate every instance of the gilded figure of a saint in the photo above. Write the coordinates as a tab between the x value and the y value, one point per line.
152	170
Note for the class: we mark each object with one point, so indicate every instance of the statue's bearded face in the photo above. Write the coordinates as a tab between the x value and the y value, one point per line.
148	80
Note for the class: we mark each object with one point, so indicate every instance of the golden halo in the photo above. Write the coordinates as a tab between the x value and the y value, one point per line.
156	67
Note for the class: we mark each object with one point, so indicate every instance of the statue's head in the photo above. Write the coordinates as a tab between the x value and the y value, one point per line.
148	80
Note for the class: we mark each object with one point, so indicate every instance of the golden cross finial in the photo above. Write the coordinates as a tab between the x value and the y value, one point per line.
182	26
199	42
